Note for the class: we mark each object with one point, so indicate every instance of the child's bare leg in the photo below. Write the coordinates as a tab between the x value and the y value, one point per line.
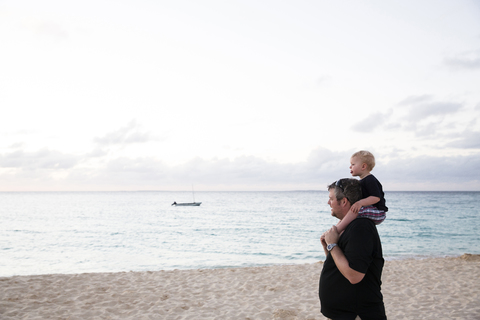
349	217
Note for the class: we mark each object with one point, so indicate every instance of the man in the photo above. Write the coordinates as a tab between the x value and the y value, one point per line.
351	276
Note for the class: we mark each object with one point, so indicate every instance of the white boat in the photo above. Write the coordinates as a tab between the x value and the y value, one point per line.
186	204
191	204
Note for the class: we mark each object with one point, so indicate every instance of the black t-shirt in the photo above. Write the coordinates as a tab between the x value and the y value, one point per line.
339	298
372	187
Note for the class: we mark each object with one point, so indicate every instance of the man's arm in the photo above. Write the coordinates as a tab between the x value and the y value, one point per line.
332	236
342	264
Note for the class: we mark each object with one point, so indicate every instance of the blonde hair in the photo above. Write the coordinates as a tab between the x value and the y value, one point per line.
366	157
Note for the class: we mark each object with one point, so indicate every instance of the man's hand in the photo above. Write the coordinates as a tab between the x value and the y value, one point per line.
322	240
324	244
331	235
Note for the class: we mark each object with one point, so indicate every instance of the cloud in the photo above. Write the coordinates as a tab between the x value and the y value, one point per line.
50	29
70	172
52	170
372	122
418	114
415	99
247	172
428	118
421	115
422	111
41	159
98	152
422	106
322	164
129	134
461	169
324	80
426	130
466	61
468	140
17	145
415	109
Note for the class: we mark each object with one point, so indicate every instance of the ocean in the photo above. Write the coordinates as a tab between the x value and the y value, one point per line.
78	232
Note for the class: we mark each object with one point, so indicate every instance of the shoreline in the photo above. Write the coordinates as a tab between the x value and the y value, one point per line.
391	258
425	288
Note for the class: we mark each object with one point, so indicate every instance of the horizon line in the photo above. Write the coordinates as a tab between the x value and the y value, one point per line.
301	190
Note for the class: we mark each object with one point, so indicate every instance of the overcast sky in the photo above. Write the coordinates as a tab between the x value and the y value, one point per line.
238	95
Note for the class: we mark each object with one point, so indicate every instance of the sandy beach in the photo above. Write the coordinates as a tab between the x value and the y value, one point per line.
439	288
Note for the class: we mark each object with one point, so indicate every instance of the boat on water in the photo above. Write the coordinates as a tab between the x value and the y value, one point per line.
184	204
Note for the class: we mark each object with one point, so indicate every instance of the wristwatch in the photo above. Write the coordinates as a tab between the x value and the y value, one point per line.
331	246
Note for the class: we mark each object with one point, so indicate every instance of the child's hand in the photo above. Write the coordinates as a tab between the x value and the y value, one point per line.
355	207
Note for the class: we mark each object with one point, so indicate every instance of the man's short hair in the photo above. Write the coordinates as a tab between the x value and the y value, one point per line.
366	157
347	188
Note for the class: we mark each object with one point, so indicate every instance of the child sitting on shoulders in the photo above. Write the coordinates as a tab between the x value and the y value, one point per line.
372	206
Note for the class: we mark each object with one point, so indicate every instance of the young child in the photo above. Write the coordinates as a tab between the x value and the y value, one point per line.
372	206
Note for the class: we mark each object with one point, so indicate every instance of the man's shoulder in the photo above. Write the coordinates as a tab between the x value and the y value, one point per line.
360	229
362	221
361	224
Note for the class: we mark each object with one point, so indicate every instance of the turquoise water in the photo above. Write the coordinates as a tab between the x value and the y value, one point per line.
43	233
